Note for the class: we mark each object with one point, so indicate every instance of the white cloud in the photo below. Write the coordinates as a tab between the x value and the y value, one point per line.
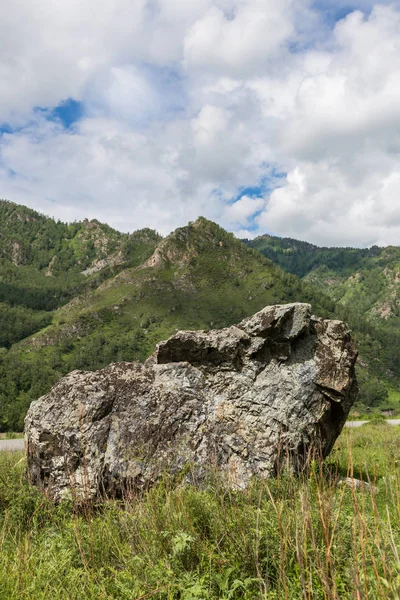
126	94
188	103
125	178
49	49
239	42
340	138
244	209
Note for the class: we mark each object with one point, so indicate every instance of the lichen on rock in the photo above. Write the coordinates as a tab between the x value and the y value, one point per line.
248	400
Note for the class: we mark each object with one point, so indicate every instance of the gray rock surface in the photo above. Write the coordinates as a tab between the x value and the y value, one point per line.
248	400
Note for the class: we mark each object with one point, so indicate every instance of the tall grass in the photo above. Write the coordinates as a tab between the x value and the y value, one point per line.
292	538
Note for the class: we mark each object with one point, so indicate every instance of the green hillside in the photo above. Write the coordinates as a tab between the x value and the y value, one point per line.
198	277
44	264
365	287
82	295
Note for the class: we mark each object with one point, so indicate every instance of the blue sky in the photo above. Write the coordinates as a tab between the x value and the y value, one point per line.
263	116
68	112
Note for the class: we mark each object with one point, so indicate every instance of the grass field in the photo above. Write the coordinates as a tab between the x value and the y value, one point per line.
11	435
292	538
394	399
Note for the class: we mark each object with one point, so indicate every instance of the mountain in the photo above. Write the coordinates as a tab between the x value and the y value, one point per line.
200	276
82	295
44	264
364	284
107	296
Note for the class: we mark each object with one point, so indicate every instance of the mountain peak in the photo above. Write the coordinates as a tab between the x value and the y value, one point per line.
11	210
185	243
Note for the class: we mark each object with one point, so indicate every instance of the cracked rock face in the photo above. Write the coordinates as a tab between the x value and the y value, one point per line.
249	400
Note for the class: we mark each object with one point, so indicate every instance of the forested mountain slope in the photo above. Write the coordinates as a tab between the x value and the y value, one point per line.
44	264
82	295
198	277
365	287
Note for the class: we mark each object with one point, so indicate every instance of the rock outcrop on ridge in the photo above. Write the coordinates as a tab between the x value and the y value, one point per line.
248	400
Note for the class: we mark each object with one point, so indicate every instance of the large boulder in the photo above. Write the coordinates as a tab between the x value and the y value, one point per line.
248	400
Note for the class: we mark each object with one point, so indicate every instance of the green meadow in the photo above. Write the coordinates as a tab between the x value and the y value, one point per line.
305	537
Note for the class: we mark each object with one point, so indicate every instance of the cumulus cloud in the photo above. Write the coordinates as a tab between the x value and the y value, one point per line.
50	49
186	104
340	138
244	209
239	42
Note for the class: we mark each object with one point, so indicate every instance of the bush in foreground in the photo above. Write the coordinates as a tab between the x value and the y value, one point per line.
290	538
